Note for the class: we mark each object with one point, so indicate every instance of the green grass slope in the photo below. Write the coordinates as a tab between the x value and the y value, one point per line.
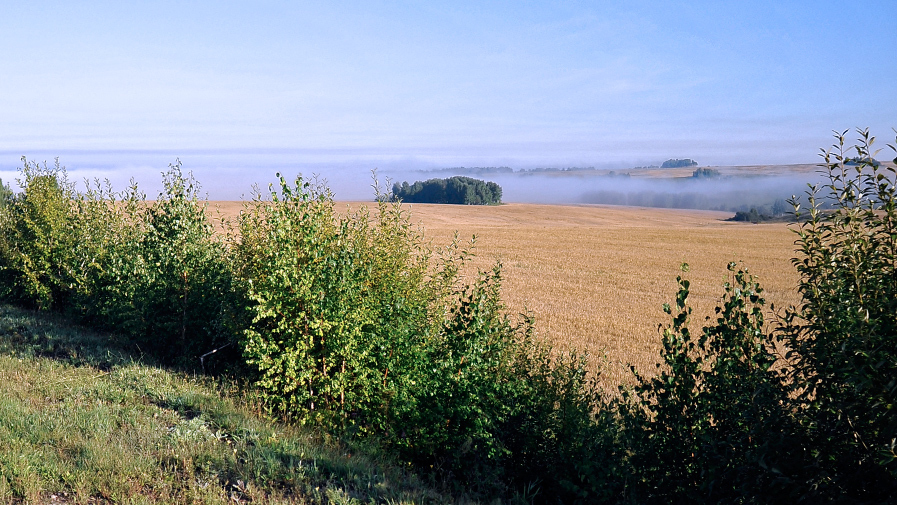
83	421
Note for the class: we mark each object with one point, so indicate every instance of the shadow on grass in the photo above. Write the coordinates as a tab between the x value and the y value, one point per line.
87	419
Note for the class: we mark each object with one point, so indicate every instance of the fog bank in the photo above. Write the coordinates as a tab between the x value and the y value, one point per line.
231	175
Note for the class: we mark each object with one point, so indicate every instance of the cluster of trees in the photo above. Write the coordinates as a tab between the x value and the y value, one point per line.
778	211
705	173
677	163
353	324
456	190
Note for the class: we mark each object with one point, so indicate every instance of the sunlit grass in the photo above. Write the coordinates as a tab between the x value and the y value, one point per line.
81	421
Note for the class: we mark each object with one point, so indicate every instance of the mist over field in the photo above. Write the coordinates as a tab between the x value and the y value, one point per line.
231	175
727	193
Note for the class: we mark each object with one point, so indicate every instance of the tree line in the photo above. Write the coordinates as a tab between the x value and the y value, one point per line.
677	163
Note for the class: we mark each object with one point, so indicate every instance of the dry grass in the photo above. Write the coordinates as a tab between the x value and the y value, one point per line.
596	277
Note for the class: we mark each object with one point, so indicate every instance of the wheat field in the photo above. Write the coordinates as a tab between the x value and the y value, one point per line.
595	277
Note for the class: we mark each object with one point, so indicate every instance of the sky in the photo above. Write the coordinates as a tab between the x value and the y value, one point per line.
238	90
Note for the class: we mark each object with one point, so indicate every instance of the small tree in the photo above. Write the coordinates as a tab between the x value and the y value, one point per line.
842	339
38	238
727	419
712	425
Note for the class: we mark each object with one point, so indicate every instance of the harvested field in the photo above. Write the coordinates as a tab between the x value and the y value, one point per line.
596	277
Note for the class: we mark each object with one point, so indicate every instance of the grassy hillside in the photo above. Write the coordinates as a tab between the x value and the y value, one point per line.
83	420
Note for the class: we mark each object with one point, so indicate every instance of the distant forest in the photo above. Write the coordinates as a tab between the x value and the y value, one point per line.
671	163
456	190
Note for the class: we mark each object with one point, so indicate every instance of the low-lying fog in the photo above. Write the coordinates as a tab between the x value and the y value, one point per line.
231	175
726	192
729	193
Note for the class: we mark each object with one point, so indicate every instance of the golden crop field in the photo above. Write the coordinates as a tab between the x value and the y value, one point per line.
596	277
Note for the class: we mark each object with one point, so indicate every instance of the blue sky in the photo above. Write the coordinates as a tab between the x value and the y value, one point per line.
446	83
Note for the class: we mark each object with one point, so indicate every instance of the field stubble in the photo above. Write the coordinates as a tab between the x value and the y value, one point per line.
596	277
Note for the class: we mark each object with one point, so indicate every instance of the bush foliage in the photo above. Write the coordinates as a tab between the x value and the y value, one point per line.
153	271
457	190
353	323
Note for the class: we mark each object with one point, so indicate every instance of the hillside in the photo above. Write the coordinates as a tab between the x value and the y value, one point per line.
83	420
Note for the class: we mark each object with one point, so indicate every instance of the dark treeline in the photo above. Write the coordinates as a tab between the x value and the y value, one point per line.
454	190
677	163
705	173
778	211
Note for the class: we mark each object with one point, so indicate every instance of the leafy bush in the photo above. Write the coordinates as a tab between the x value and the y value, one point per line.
339	306
177	297
713	424
355	331
38	239
728	418
155	272
841	340
457	190
495	407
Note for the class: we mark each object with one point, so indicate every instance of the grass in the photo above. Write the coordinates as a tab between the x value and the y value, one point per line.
596	276
83	421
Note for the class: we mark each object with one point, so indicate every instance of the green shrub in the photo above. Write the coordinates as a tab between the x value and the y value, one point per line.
178	299
360	327
110	227
38	239
712	425
340	306
154	272
499	410
841	339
